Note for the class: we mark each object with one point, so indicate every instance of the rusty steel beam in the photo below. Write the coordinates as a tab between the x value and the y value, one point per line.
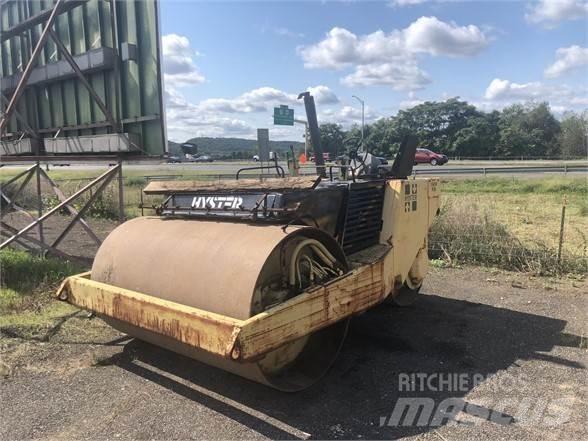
11	201
37	20
60	158
63	51
32	132
34	241
20	241
18	176
57	9
39	205
55	209
79	214
70	208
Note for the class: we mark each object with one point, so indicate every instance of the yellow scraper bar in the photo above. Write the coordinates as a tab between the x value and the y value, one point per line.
241	340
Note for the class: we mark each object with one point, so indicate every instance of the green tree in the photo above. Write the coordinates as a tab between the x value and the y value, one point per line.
332	136
479	138
528	130
436	124
382	137
573	138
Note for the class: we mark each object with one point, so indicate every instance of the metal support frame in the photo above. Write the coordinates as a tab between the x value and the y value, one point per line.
38	19
79	215
11	230
70	208
32	132
99	184
28	174
60	7
68	57
39	202
121	186
57	9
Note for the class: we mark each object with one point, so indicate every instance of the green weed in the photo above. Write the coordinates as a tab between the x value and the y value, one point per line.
23	272
465	233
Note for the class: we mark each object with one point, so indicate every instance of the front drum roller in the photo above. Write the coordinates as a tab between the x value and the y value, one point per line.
233	269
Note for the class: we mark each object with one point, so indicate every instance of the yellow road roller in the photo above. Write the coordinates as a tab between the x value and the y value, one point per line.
261	277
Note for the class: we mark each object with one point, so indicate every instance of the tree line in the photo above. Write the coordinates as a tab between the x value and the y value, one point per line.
458	129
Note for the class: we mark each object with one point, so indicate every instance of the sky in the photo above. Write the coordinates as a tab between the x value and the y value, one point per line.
226	64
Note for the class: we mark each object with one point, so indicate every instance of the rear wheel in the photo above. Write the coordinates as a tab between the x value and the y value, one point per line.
433	161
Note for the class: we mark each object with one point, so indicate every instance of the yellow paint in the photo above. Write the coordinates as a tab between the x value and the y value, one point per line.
409	208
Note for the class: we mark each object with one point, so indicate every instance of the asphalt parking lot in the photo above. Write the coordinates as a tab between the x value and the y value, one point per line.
522	338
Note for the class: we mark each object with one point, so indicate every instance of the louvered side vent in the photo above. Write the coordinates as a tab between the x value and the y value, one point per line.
363	220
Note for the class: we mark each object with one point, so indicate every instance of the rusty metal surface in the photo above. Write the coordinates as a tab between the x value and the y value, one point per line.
217	267
212	266
202	329
316	309
164	187
240	340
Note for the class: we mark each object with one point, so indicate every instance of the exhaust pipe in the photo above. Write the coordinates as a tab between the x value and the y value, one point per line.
315	133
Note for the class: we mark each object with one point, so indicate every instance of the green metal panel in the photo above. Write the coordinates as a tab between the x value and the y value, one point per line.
131	91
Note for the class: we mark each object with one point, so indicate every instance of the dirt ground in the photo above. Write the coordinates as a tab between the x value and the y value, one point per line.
76	243
525	336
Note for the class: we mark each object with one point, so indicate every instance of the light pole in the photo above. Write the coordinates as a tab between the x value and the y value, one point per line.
362	116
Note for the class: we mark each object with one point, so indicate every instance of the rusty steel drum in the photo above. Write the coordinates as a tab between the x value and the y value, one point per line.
232	269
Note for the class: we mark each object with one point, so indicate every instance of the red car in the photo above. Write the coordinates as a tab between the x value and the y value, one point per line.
426	156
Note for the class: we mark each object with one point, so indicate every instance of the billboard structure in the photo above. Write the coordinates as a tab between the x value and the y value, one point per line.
81	76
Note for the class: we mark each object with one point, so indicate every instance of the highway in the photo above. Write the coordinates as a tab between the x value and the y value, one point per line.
466	168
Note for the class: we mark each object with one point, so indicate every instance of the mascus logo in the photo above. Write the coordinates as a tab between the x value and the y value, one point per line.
210	202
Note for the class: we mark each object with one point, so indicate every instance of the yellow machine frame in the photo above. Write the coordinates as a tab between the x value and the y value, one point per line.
410	206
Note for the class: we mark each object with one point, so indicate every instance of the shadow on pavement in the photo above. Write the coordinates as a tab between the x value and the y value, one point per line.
436	335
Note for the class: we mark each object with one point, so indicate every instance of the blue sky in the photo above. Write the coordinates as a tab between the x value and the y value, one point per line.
227	64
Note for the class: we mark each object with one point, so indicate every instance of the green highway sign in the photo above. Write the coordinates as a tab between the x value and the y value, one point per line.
283	116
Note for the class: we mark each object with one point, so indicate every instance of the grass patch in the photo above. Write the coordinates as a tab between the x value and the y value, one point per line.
27	309
136	181
466	232
23	272
583	208
36	324
559	185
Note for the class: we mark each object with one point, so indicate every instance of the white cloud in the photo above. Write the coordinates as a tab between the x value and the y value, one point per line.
263	98
391	58
256	100
215	116
186	120
401	3
179	68
323	95
406	76
501	93
567	59
285	32
435	37
347	115
505	90
549	13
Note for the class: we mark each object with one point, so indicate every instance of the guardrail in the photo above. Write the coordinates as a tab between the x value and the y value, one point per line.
521	169
564	168
435	171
